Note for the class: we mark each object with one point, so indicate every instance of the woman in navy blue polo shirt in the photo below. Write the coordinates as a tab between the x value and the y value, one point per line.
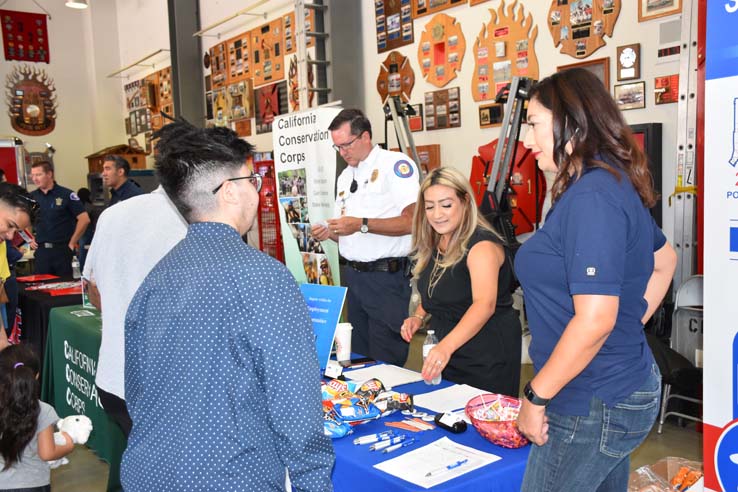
591	276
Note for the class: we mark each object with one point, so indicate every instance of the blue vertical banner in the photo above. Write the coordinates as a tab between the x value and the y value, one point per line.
721	246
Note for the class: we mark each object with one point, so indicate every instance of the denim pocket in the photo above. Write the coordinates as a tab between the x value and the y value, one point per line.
627	424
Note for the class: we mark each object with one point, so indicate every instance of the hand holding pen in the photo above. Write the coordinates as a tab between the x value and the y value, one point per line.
439	471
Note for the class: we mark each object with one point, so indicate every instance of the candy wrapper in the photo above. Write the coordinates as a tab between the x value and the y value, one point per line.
389	402
355	410
347	403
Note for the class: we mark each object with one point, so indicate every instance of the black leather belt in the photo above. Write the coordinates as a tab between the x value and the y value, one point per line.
390	265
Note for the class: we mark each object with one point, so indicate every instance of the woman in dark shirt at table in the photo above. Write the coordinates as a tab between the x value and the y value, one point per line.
464	282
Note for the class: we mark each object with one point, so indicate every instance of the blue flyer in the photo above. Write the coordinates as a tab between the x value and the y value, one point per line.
325	303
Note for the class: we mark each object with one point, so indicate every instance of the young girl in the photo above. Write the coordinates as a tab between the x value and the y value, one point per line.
26	425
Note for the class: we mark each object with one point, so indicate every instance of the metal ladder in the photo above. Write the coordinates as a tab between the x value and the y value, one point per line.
322	56
685	191
397	111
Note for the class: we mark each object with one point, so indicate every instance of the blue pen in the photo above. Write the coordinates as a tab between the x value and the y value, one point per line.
398	446
385	443
446	468
370	438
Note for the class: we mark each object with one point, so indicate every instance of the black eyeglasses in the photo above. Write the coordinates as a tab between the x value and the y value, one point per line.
345	146
254	178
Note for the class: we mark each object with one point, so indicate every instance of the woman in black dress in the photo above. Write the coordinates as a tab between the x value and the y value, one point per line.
464	282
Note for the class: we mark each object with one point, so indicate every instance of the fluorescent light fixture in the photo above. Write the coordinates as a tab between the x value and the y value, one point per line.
77	4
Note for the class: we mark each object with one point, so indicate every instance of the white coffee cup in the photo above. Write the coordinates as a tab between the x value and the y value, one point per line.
343	341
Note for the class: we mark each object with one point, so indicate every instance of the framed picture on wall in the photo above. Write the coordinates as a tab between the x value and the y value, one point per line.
630	96
600	67
490	115
652	9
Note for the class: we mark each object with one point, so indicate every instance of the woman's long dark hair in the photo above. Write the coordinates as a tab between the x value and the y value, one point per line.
585	114
19	406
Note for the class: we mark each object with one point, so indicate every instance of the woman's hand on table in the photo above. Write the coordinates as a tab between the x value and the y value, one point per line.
533	423
409	327
435	363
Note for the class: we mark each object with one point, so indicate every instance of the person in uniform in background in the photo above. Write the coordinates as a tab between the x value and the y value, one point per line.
372	223
62	222
115	176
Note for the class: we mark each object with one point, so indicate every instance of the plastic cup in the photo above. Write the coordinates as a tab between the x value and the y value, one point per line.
343	342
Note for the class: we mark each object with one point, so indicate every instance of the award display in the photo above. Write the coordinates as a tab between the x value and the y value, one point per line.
629	62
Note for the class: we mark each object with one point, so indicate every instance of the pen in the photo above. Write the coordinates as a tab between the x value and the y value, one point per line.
399	445
383	444
368	439
446	468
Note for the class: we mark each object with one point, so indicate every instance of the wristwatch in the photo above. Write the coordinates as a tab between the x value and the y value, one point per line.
364	226
533	397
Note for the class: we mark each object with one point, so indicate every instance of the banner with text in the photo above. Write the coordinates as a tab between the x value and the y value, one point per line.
325	304
721	247
305	164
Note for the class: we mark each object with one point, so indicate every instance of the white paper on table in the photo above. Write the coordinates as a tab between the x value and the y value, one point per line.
447	399
390	376
414	465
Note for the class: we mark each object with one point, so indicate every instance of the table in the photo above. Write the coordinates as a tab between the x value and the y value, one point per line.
354	469
68	381
35	306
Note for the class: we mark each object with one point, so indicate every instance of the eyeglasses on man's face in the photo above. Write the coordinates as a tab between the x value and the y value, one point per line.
345	146
255	180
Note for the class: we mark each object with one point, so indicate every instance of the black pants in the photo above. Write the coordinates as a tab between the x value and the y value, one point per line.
54	261
116	408
378	303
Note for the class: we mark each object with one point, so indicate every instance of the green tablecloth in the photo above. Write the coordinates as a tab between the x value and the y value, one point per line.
68	382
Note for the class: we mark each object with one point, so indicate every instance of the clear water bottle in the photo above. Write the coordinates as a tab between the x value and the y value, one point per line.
76	273
430	342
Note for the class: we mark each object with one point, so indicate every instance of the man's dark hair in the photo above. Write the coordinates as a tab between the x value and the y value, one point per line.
16	197
48	167
192	161
359	122
120	163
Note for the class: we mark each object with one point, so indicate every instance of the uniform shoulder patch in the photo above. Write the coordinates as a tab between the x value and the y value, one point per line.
403	169
73	196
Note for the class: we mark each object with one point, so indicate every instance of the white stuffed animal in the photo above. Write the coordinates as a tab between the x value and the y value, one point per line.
78	427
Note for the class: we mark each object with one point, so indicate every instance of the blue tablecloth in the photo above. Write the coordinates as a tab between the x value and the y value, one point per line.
355	472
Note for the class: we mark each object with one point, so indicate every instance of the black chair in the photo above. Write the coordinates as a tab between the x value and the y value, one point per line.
680	378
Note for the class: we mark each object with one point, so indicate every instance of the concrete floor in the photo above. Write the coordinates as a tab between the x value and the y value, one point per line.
87	473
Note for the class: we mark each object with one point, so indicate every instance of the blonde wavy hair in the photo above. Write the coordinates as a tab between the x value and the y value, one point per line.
426	239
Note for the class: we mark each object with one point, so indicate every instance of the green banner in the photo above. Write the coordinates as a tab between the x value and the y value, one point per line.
68	382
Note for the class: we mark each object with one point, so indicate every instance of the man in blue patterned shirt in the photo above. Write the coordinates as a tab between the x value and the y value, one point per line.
221	375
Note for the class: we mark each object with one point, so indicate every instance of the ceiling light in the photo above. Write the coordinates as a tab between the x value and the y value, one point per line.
77	4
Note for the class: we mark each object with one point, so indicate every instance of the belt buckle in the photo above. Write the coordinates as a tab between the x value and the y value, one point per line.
49	245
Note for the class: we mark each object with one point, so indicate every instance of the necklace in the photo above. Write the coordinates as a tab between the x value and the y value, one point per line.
435	275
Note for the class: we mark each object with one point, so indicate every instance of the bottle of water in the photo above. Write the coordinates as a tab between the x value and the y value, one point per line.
76	273
430	342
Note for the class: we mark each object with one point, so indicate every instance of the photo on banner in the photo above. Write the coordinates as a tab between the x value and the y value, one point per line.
305	163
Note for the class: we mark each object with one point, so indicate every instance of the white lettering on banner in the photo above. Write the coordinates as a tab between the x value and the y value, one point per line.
80	359
75	402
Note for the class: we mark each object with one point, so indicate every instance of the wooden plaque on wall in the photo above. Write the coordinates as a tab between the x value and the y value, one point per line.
442	109
396	77
239	57
505	48
290	31
580	25
428	7
271	101
394	24
218	65
166	98
441	50
267	53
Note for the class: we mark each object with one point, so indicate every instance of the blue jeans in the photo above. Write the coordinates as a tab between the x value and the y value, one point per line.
592	453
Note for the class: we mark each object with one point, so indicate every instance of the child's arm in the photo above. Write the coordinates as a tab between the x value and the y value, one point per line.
48	450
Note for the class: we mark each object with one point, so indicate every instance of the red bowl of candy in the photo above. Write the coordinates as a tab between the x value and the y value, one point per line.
495	418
